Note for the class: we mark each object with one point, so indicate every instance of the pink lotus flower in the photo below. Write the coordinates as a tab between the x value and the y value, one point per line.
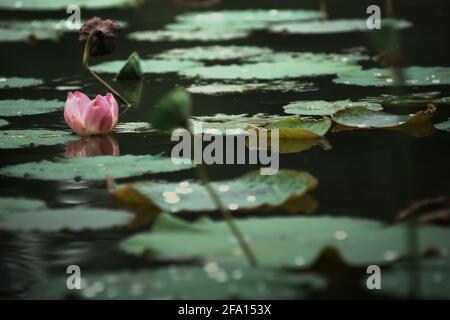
90	117
92	146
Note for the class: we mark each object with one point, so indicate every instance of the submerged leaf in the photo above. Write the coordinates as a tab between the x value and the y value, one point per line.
413	76
20	107
321	108
249	192
333	26
74	219
132	68
11	139
291	241
93	168
213	281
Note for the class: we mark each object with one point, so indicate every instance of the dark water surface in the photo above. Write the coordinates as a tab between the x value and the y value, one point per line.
367	173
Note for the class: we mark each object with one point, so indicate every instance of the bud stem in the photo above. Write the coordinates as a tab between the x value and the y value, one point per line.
86	53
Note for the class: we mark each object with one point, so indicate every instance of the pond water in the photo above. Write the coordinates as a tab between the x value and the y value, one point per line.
366	174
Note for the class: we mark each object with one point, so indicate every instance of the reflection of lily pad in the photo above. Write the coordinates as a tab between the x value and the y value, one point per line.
333	26
282	65
44	5
94	168
148	66
364	118
74	219
237	87
207	53
213	281
443	125
319	108
250	191
10	139
188	35
432	280
10	108
3	123
414	76
15	82
292	242
17	205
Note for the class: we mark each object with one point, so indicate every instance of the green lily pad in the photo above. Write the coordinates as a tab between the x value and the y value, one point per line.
250	191
242	87
133	127
410	100
74	219
47	5
361	117
11	139
11	108
186	282
132	68
443	125
211	53
321	108
14	82
414	76
17	205
333	26
432	278
291	241
93	168
281	65
148	66
3	123
217	34
240	19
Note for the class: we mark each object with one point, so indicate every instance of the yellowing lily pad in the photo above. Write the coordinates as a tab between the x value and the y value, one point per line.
414	76
93	168
320	108
333	26
73	219
300	128
11	139
11	108
249	192
282	65
148	66
14	82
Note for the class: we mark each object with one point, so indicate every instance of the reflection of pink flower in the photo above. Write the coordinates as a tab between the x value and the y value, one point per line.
92	146
87	117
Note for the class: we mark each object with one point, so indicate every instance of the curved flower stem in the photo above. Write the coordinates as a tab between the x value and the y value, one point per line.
201	173
87	49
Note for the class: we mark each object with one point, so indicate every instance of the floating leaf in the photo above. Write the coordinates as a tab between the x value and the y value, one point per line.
291	241
300	128
46	5
132	68
443	125
243	87
217	34
11	108
74	219
251	191
93	168
281	65
17	205
333	26
14	82
133	127
11	139
410	100
212	53
186	282
364	118
414	76
432	280
3	123
321	108
148	66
